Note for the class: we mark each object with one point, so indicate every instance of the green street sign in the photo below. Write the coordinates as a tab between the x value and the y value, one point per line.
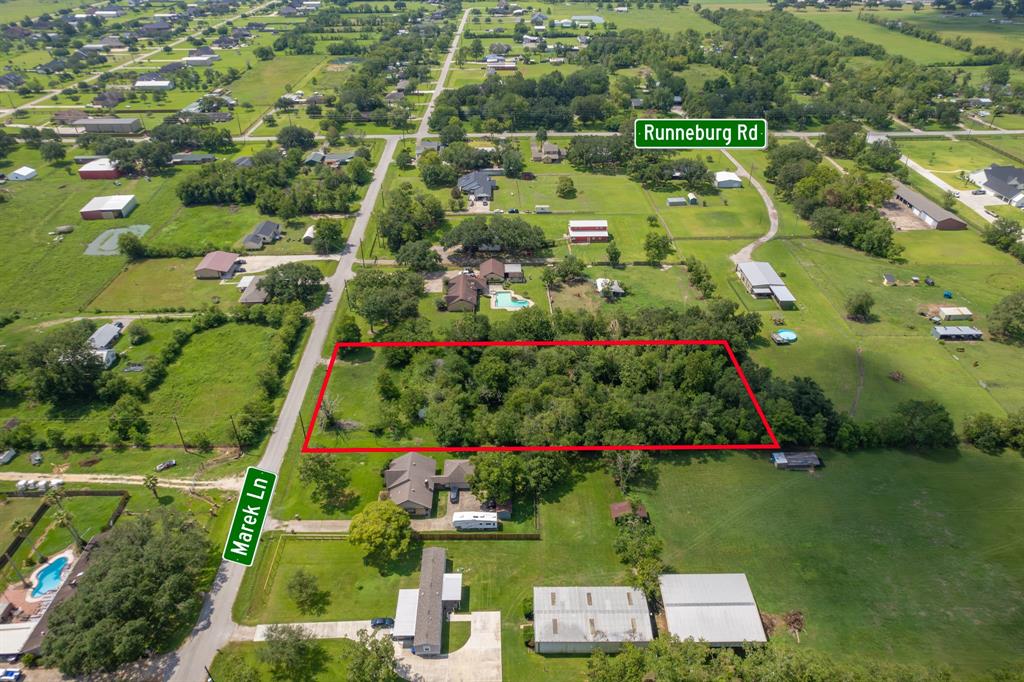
251	510
700	133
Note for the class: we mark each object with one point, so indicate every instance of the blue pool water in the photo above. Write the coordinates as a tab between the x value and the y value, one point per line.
48	579
504	300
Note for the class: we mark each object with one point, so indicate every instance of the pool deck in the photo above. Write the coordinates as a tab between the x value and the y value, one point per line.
515	297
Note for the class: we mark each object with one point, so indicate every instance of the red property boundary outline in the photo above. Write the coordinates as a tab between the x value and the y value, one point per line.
774	445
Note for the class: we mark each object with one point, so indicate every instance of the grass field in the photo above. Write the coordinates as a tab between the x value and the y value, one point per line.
12	508
921	51
231	656
980	30
917	547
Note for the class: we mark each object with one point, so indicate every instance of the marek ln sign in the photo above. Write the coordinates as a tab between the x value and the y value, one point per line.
700	133
253	504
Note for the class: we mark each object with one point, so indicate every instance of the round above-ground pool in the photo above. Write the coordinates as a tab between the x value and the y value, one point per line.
48	579
787	335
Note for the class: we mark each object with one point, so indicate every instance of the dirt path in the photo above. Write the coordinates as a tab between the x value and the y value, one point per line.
233	483
860	382
746	254
124	319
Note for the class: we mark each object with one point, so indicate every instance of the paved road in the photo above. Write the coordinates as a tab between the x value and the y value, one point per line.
745	254
421	132
975	202
216	625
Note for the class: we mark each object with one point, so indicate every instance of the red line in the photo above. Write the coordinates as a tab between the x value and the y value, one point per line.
542	448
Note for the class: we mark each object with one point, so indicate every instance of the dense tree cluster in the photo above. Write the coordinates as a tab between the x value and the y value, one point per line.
384	297
1006	321
840	207
512	235
993	435
1005	234
143	585
409	216
668	658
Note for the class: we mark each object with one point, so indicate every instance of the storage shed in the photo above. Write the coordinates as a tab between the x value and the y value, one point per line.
677	201
957	333
727	180
23	173
951	313
99	169
109	207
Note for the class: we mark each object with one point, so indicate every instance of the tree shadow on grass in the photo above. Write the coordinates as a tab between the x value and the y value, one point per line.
406	565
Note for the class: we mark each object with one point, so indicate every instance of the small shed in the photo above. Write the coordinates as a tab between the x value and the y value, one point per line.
620	509
677	201
957	333
796	460
950	313
692	198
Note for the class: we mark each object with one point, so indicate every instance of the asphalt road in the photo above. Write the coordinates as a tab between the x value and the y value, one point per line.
216	625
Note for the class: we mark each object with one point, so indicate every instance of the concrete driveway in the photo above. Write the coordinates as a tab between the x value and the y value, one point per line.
479	660
335	629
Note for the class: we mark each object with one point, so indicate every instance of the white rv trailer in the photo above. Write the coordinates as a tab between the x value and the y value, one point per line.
475	520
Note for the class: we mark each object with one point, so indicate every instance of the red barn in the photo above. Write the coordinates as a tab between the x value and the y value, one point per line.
587	231
99	169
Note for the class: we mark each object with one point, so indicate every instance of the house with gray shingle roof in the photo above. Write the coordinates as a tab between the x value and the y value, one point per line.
409	481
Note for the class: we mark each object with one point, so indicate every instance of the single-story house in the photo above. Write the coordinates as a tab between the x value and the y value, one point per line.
547	152
99	169
587	231
761	281
796	460
409	482
109	207
1005	182
109	124
68	116
463	292
254	294
191	158
23	173
419	622
718	608
107	356
243	162
455	475
727	180
106	335
927	210
578	620
478	185
158	85
205	60
265	232
493	270
428	146
328	158
952	313
956	333
217	265
504	66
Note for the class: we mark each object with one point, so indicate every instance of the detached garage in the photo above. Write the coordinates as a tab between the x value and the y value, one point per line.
23	173
99	169
109	208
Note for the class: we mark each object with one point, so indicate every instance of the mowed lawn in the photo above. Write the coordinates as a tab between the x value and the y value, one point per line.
890	556
12	508
980	30
916	49
214	377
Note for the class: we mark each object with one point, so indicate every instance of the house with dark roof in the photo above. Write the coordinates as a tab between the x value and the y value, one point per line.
10	81
409	482
463	292
106	336
328	158
191	158
265	232
420	613
546	152
455	475
1004	182
478	185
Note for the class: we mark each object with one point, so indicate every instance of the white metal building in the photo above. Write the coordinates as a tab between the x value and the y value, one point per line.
577	620
727	179
761	280
718	608
23	173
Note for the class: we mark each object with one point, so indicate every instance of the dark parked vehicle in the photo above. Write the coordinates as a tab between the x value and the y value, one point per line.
453	495
378	623
977	191
513	210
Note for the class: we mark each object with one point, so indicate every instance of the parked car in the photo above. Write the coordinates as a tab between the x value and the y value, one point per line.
489	505
513	210
978	191
164	466
10	675
379	623
453	496
499	211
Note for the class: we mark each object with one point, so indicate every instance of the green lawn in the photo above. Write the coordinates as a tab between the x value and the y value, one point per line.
894	42
12	508
980	30
231	656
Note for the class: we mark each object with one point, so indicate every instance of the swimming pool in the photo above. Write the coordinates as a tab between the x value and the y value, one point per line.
506	300
48	579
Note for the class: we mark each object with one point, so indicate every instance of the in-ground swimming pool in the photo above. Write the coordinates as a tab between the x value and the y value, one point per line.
506	300
48	579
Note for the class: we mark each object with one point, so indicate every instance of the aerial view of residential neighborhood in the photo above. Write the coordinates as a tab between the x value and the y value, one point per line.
484	341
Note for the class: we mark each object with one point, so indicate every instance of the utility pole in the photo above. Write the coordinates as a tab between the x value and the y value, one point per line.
178	426
237	437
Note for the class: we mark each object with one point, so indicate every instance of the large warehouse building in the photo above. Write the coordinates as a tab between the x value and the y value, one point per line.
717	608
577	620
